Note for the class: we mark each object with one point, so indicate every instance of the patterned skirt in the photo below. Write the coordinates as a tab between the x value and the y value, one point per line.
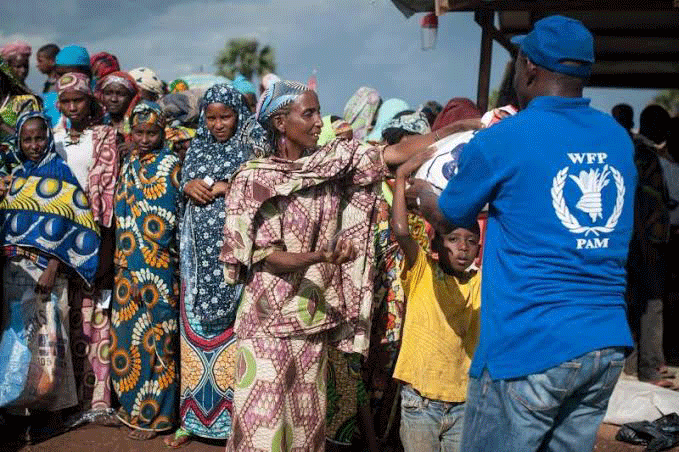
279	401
90	345
207	372
143	356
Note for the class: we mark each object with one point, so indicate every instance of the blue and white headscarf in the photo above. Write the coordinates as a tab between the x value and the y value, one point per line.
279	95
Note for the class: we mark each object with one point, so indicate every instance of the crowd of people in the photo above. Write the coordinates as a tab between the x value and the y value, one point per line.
228	264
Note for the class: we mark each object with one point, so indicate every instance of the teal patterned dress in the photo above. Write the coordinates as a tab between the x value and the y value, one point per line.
144	336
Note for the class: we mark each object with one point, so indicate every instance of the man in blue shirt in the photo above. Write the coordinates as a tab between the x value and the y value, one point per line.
559	179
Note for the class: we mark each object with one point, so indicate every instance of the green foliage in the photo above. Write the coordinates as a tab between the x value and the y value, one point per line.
244	56
669	100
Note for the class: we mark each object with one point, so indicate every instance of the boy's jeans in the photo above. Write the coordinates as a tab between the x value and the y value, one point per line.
429	425
558	410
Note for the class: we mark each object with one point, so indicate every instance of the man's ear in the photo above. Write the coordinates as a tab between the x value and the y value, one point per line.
279	123
531	72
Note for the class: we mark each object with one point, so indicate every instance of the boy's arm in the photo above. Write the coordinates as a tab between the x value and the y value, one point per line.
399	212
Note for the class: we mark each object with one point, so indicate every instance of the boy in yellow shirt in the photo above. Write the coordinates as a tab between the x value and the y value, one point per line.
441	328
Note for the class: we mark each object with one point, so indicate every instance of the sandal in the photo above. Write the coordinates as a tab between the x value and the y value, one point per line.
142	435
180	438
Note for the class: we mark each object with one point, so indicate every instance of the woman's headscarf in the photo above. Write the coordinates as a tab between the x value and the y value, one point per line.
47	210
15	48
149	113
147	79
386	113
125	80
16	86
73	56
74	81
180	133
277	96
408	124
456	109
360	111
103	63
243	85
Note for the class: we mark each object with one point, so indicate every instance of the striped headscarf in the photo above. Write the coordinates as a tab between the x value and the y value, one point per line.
277	96
147	112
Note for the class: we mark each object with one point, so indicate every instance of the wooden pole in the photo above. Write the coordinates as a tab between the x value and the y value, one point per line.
485	19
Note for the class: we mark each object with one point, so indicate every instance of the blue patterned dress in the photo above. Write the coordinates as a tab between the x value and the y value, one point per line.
209	304
144	318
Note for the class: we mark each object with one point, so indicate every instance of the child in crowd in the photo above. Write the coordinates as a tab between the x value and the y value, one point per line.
46	58
441	328
145	305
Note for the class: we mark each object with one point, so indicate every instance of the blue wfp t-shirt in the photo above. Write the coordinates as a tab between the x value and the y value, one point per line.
559	178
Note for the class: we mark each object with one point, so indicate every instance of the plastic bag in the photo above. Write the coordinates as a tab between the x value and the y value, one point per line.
15	359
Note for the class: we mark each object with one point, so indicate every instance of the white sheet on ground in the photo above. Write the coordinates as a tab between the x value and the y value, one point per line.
634	401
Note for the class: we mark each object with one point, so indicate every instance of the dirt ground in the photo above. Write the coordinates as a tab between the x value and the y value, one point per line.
93	438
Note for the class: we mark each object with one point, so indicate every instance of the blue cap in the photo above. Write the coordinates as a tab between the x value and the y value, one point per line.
556	39
73	56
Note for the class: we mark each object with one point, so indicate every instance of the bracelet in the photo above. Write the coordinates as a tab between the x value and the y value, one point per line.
436	134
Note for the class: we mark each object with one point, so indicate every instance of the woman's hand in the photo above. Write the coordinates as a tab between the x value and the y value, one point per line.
199	192
342	251
413	163
220	188
46	281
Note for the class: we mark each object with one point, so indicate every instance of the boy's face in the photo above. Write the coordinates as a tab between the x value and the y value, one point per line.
458	249
34	139
45	63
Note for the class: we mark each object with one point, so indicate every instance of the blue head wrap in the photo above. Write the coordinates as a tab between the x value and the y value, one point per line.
243	85
73	56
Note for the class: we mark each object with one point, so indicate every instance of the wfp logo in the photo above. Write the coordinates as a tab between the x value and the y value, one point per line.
591	184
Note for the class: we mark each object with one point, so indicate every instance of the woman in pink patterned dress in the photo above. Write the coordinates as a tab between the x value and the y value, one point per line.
89	149
299	234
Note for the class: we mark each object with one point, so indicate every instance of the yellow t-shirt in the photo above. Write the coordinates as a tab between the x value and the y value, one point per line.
441	330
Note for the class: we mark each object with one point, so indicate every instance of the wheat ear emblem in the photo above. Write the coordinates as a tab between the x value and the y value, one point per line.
590	183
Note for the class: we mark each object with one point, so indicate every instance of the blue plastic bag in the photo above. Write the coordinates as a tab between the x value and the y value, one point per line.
15	359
